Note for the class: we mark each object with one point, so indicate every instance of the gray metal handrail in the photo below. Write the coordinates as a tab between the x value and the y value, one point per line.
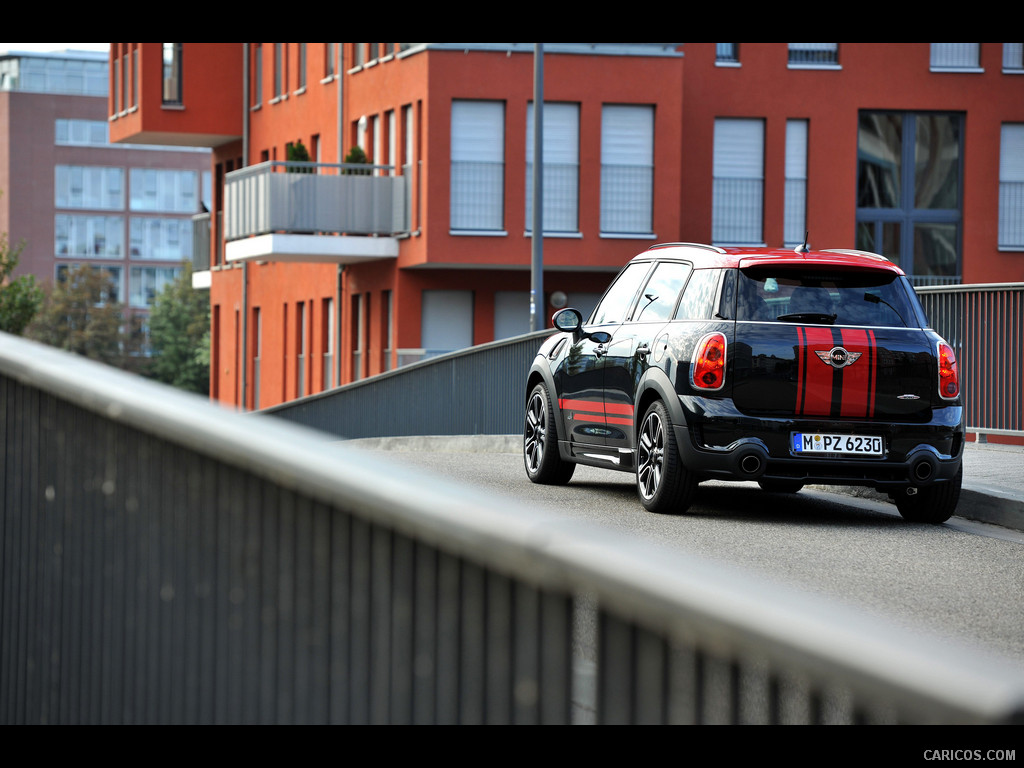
985	325
165	560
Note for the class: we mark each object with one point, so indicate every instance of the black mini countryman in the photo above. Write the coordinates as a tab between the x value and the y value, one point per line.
784	367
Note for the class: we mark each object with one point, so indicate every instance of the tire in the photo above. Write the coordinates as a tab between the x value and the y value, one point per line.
540	442
781	486
934	504
662	482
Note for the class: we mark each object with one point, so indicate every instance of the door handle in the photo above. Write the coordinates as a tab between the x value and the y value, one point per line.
599	350
643	350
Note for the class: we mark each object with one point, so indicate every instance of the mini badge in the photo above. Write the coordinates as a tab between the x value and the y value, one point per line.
838	357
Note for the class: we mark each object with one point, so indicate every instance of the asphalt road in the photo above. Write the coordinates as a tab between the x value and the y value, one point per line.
962	581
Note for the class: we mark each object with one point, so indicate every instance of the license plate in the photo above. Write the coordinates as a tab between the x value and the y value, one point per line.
851	445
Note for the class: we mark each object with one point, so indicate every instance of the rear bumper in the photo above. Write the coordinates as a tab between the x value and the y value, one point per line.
740	448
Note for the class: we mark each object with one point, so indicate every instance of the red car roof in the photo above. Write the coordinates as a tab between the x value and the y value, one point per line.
707	255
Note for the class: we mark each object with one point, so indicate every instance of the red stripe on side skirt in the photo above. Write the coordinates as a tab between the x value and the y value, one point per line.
593	410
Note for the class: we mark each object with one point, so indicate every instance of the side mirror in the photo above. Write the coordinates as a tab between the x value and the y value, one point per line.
570	320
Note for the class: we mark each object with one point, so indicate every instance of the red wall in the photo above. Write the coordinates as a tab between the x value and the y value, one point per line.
873	76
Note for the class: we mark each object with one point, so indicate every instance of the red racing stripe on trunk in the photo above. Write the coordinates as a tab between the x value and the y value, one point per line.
814	378
858	398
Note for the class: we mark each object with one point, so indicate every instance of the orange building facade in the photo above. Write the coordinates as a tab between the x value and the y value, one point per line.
642	143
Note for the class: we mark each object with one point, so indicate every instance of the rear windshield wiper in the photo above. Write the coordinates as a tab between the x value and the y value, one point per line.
808	317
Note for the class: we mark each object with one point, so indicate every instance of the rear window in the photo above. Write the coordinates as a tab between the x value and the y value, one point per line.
853	297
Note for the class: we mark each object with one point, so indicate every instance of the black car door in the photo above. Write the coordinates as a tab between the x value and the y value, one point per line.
634	347
582	372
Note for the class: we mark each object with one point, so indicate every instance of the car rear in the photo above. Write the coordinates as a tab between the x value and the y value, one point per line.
832	377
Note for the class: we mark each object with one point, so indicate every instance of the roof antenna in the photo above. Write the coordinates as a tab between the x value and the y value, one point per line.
803	247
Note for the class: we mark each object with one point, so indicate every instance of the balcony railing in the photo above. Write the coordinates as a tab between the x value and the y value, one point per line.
315	198
201	242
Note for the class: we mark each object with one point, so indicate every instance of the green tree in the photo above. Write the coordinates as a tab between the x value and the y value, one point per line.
179	335
80	314
20	297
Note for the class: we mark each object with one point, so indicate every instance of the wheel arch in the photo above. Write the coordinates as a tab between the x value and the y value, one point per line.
541	374
656	385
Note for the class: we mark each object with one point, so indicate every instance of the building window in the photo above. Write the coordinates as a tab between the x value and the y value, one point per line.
327	336
358	336
115	79
81	133
329	56
358	54
257	349
1013	57
478	166
114	290
795	214
172	73
146	283
301	79
98	187
627	169
1011	187
94	237
813	54
387	303
909	191
278	70
160	239
126	82
257	75
727	53
168	191
956	56
55	75
738	182
301	342
561	175
447	321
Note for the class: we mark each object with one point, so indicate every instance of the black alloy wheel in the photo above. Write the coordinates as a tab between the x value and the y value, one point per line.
663	482
540	442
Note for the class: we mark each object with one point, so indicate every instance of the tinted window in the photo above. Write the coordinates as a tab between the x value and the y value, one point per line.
699	297
614	307
849	298
662	290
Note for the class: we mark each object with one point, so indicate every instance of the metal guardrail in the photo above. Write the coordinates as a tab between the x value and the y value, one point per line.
165	560
985	326
475	391
480	390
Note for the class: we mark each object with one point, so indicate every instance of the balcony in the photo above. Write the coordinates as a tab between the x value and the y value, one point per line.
315	212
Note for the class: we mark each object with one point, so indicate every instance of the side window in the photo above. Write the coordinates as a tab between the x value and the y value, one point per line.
699	296
659	296
614	307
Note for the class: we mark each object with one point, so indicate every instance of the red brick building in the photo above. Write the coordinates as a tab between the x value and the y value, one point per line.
322	273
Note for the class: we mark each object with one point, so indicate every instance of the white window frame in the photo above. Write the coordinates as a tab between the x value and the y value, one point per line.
813	56
561	178
795	213
1011	187
955	57
627	170
477	184
737	216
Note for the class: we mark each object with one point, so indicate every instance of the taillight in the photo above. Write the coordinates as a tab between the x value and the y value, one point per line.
708	368
949	373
